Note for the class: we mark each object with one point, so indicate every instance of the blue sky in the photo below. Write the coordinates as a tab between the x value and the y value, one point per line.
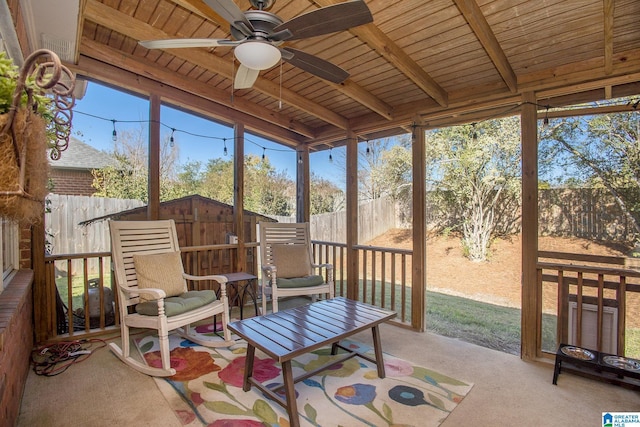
198	139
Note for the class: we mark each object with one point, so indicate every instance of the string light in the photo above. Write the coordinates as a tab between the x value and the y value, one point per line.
634	103
171	139
114	134
545	121
299	159
174	130
263	155
330	156
474	135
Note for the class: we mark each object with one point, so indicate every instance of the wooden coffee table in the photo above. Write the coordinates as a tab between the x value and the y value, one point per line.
293	332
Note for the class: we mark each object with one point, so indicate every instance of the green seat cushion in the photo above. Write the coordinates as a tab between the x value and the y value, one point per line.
300	282
177	305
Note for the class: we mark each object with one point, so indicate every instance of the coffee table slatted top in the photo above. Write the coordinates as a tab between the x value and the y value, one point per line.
293	332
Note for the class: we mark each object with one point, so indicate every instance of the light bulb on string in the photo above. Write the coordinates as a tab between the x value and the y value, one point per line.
330	156
114	134
171	140
474	135
263	155
224	141
299	159
545	121
368	149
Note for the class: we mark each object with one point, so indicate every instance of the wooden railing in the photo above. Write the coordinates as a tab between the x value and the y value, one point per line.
384	275
82	302
592	300
81	299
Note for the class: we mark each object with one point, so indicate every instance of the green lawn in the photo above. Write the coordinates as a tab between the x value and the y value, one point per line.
484	324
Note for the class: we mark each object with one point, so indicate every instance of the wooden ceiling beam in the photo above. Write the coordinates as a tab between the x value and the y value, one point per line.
364	97
130	27
389	50
478	23
145	68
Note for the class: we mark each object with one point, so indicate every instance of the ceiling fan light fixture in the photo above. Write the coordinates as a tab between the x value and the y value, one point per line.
257	55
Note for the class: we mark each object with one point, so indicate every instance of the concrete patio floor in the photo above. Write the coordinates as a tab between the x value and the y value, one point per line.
102	391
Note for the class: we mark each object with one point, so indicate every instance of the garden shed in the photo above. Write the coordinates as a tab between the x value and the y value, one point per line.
203	221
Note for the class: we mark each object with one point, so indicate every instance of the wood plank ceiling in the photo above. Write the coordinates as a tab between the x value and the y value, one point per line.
439	62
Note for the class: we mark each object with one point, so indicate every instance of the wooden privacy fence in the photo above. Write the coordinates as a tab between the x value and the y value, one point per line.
375	217
66	236
589	213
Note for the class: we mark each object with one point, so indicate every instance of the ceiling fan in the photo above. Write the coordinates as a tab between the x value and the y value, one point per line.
257	35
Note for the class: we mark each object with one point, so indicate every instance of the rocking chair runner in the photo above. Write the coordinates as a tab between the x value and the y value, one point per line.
153	293
287	264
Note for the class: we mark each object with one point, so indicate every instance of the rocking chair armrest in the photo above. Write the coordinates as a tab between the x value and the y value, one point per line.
149	293
269	268
325	265
220	279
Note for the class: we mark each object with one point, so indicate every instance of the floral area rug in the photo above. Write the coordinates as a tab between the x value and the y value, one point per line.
207	388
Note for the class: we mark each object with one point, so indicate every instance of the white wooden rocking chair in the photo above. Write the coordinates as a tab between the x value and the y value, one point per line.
152	290
287	264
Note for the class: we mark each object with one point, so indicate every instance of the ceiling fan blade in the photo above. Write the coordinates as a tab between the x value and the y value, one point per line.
231	13
314	65
179	43
245	77
328	19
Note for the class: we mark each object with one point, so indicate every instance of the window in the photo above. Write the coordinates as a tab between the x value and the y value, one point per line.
9	249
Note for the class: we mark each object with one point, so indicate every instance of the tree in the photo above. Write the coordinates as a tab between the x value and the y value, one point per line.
605	150
373	179
325	196
475	170
128	178
266	190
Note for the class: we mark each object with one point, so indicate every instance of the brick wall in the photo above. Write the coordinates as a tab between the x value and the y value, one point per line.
16	342
72	182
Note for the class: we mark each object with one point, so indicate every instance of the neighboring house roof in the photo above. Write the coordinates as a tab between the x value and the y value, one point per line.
81	156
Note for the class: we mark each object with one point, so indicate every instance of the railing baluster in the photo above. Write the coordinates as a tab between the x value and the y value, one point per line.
374	276
70	297
85	281
600	309
392	303
621	297
579	309
383	280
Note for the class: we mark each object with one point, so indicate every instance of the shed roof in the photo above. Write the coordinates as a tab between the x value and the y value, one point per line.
178	201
